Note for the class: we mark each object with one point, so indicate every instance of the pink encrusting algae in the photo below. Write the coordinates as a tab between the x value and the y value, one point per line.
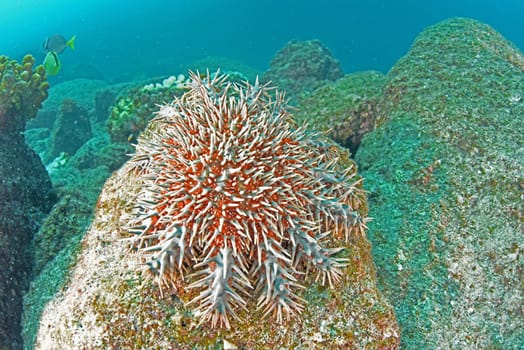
239	204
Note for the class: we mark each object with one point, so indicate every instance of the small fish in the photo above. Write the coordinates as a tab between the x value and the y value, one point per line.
51	63
58	43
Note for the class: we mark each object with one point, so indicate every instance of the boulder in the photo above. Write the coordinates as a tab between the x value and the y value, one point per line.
445	173
302	66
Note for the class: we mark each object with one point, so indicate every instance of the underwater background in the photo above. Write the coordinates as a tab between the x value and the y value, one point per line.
422	104
115	38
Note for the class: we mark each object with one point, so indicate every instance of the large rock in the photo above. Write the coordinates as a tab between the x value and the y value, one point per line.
110	303
445	171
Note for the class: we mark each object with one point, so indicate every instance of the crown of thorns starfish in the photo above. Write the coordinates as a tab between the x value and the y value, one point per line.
237	203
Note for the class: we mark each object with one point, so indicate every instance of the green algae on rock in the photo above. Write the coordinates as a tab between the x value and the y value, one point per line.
445	171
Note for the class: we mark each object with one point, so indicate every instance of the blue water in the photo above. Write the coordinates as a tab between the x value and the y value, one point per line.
116	36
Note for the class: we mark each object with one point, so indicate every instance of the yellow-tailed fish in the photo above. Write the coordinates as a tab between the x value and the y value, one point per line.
58	43
51	63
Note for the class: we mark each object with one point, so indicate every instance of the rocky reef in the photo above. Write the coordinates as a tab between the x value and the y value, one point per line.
445	174
438	142
25	190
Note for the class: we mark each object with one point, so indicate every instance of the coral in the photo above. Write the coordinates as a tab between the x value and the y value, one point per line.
22	91
134	109
347	108
301	67
239	201
445	168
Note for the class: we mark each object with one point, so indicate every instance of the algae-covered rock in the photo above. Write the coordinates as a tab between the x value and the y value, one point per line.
445	170
347	108
301	67
110	303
